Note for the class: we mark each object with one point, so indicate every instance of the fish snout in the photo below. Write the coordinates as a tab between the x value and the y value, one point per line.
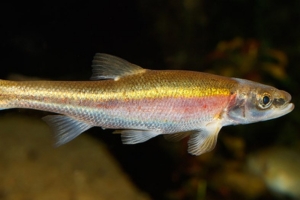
281	99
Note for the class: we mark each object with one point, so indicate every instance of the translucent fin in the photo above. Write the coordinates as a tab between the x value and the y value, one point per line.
111	67
175	137
204	140
118	131
65	128
137	136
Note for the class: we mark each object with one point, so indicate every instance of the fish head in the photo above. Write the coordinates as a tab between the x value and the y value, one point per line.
254	102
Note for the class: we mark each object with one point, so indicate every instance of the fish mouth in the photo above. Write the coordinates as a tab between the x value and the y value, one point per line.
283	110
282	102
289	107
282	105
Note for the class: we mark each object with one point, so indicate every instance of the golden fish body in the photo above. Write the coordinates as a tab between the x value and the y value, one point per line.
146	103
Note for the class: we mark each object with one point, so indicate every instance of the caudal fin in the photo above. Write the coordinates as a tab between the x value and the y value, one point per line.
6	95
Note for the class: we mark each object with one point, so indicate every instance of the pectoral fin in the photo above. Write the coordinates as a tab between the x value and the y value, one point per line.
204	140
65	128
137	136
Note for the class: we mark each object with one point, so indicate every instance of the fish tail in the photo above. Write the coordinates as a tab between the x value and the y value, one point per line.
6	96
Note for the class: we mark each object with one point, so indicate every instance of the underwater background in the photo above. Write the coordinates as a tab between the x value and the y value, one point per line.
56	40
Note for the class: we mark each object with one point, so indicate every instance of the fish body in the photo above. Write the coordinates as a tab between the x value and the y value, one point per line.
145	103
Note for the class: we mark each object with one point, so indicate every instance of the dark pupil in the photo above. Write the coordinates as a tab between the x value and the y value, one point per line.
266	100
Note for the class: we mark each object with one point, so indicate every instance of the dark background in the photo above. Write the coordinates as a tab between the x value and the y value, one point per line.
58	39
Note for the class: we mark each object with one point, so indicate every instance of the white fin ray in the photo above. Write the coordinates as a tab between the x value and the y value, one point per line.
65	128
204	140
137	136
175	137
106	66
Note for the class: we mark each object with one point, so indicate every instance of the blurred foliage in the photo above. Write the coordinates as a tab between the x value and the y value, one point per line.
247	58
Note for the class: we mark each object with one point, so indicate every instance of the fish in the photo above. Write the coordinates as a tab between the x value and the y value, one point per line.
142	103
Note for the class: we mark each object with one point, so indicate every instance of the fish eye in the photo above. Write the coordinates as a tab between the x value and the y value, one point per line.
265	101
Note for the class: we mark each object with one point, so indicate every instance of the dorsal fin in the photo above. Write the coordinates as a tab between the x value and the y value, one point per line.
106	66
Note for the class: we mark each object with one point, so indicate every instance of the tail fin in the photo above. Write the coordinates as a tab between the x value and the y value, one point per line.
5	95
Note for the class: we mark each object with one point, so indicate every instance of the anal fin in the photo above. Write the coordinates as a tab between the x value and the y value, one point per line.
65	128
204	140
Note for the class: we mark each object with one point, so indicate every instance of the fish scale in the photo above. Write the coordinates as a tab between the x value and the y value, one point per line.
142	103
